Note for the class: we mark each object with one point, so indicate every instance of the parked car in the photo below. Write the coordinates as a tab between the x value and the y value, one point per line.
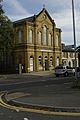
64	70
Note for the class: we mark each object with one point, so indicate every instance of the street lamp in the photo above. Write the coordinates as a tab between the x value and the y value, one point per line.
74	34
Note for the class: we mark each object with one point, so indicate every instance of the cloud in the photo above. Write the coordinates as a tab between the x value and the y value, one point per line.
64	21
63	18
67	37
60	11
15	9
16	5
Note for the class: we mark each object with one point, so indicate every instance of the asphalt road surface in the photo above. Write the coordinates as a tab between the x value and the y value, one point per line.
31	81
8	114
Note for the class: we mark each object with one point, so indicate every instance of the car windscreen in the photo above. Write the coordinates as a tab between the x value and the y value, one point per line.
59	67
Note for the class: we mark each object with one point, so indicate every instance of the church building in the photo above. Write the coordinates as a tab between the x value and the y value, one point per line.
37	44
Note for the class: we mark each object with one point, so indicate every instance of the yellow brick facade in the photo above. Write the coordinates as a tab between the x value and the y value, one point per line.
37	43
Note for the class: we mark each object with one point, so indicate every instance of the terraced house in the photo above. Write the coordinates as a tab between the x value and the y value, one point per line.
37	43
68	56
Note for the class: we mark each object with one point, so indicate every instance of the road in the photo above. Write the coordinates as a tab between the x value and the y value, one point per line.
31	81
7	114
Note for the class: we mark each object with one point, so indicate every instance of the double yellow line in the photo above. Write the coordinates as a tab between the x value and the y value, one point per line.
3	104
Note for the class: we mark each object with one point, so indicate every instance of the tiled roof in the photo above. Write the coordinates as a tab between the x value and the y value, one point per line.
67	48
30	19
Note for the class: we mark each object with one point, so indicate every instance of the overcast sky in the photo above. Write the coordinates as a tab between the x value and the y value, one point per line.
59	10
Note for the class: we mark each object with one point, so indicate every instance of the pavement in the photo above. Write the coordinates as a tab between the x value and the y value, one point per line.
26	76
62	100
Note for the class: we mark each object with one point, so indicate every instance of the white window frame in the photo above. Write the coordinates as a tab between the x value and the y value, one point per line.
31	35
50	39
63	54
40	37
45	35
57	61
31	63
69	54
57	40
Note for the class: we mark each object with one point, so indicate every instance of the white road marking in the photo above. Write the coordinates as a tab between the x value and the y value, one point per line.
67	83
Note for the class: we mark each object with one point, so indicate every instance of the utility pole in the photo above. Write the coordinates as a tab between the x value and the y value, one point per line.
74	36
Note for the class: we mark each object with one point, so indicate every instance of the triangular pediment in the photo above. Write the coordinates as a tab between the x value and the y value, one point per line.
44	15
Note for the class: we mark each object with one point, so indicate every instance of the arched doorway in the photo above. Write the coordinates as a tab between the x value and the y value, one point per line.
31	63
69	64
46	66
57	61
40	63
51	61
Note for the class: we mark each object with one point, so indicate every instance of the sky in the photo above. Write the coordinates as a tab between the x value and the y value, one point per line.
59	10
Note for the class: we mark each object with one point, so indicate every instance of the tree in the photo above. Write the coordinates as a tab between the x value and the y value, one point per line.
6	38
6	33
1	10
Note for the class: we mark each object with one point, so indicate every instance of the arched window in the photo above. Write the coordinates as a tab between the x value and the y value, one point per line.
57	61
63	54
31	63
40	60
73	63
39	38
57	40
69	54
30	35
19	36
45	57
69	64
40	63
50	39
45	35
51	61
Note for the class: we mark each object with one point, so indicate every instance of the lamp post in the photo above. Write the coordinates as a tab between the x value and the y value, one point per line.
74	35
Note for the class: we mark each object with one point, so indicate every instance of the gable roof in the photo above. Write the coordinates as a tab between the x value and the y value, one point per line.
29	19
32	18
44	10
